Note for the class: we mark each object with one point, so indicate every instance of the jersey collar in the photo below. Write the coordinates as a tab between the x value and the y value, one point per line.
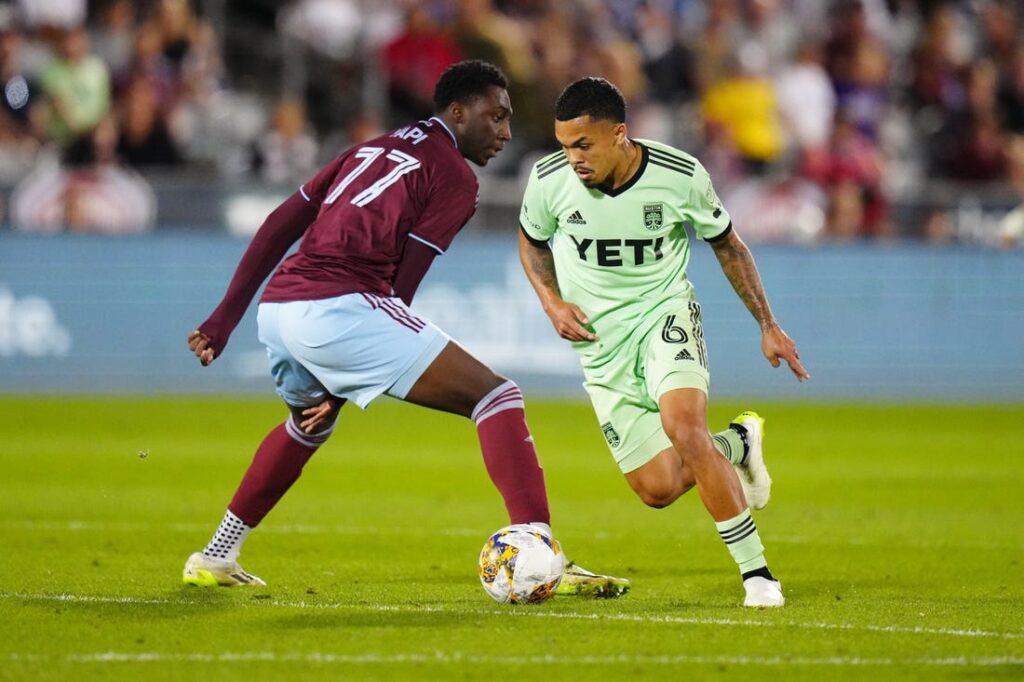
446	129
644	155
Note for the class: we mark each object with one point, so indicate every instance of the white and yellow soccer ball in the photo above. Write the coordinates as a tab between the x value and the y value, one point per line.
521	564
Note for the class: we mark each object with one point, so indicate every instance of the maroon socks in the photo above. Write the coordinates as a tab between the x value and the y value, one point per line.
509	454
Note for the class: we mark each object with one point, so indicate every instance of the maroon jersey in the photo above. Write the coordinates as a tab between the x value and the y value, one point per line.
411	183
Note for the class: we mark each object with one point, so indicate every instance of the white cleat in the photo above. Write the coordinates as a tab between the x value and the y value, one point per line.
763	593
753	475
203	571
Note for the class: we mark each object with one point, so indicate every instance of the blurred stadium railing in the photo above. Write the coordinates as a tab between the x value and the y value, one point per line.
987	214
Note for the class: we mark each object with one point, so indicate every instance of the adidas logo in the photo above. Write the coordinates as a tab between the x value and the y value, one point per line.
576	219
684	355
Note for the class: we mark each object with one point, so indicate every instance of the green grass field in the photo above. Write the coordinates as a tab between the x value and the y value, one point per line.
897	533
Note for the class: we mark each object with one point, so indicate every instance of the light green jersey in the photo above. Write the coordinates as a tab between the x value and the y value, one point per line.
621	255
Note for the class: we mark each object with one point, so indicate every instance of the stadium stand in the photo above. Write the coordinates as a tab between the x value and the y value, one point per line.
860	119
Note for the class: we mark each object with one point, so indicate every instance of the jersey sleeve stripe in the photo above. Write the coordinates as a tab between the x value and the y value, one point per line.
665	156
552	169
720	235
672	160
302	191
550	161
670	166
536	242
421	240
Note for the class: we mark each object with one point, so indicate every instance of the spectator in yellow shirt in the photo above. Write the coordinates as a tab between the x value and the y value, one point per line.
744	105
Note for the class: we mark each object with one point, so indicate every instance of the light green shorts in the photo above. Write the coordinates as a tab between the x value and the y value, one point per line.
626	390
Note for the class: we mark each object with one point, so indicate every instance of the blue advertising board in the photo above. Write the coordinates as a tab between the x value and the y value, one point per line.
88	314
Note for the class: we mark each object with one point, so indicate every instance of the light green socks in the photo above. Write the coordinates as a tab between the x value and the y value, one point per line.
730	444
740	532
740	536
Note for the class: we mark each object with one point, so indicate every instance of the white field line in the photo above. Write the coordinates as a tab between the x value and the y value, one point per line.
526	613
448	658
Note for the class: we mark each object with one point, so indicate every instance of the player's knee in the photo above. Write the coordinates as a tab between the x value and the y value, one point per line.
501	395
492	384
657	488
659	495
468	400
690	441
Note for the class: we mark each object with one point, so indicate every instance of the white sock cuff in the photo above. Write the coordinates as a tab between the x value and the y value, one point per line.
540	525
507	396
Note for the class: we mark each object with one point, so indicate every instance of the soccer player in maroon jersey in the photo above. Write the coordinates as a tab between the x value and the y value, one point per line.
335	317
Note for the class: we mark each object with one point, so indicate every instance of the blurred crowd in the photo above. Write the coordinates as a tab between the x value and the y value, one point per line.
816	118
90	97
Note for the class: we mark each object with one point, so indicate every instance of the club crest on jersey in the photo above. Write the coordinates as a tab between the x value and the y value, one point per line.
610	434
653	216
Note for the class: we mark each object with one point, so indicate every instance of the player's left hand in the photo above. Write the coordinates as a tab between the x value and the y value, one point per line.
776	346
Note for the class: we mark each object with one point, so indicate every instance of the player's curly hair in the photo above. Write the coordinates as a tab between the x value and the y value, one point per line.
465	81
593	97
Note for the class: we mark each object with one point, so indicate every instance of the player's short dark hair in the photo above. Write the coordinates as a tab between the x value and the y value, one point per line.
593	97
465	81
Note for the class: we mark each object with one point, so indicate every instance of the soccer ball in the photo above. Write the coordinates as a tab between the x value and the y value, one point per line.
521	564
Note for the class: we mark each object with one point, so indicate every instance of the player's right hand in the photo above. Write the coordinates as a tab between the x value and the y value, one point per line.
568	321
319	414
199	344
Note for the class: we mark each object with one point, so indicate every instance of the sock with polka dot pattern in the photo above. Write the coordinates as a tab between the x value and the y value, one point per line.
227	541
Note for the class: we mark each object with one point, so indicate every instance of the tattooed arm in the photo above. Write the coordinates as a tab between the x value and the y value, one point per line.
738	265
539	264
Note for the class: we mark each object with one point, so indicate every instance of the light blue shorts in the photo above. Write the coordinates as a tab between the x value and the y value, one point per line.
355	346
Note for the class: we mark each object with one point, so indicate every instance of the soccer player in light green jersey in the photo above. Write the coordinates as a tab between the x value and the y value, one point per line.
603	243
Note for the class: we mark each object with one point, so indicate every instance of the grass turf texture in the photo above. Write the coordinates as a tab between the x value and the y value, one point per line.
895	531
